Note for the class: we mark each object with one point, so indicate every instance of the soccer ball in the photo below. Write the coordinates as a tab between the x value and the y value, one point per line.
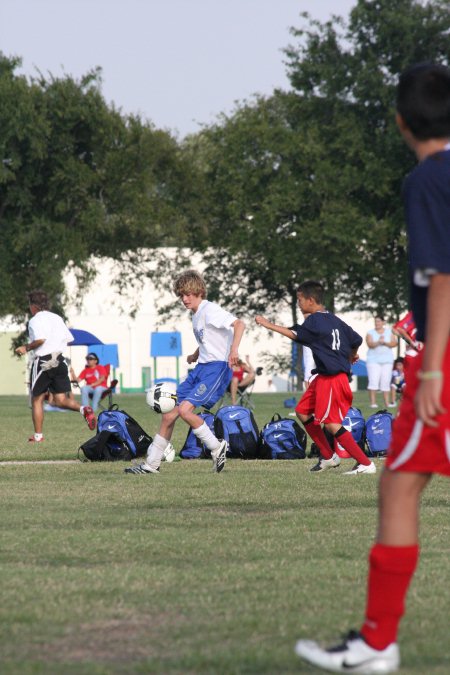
162	397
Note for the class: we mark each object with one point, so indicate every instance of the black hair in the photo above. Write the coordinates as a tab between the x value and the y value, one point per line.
312	289
39	299
423	100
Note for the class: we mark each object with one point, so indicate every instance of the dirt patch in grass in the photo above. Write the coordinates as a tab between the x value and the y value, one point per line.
114	641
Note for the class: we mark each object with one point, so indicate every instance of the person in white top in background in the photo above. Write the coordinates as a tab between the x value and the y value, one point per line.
49	337
218	334
380	359
308	362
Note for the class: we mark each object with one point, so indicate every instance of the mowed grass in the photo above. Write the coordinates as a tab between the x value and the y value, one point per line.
189	571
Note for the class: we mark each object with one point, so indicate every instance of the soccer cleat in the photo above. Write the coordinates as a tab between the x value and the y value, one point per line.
90	417
324	464
32	439
361	468
219	457
354	655
141	469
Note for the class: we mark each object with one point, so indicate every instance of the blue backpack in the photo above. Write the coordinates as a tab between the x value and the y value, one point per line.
237	425
282	438
193	448
355	423
119	437
379	432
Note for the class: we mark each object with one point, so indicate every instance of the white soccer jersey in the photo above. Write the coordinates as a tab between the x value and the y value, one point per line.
51	328
213	331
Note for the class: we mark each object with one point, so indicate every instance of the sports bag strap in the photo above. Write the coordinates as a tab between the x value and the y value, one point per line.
276	417
113	406
102	439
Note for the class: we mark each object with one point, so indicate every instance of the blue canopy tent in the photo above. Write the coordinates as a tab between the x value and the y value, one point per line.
83	338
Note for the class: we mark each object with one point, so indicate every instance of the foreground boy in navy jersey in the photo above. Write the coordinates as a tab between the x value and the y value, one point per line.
420	444
334	345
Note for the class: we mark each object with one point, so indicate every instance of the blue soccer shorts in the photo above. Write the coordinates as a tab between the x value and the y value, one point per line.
205	384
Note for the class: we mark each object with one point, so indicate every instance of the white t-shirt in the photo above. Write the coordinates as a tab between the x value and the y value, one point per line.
308	363
213	331
381	353
51	328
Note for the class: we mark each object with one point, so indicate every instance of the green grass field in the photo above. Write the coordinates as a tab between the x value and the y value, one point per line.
190	571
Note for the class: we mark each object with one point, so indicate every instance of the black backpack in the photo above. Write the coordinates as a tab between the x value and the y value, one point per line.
119	437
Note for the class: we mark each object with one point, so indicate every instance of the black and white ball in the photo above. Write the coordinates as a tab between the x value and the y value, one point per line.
162	397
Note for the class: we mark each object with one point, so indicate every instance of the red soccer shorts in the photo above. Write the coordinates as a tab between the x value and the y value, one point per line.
328	397
414	446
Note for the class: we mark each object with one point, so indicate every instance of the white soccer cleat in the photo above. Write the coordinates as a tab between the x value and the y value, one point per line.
361	468
352	656
143	468
324	464
219	457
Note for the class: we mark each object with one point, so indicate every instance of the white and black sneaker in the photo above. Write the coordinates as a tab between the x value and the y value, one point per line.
361	468
352	656
141	468
324	464
219	456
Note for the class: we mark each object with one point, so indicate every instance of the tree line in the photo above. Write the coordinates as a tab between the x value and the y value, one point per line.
302	183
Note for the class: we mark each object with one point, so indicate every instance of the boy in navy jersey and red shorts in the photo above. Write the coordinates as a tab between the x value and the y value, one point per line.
334	345
420	444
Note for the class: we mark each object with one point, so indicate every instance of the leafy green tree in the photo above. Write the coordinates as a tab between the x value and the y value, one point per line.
307	184
348	73
78	180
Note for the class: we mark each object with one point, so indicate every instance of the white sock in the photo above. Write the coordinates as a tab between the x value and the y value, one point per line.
206	436
37	437
155	451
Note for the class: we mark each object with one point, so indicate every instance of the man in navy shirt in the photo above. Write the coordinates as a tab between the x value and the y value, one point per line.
420	445
334	345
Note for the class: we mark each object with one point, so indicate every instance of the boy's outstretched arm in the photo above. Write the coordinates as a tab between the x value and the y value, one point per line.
428	397
287	332
238	331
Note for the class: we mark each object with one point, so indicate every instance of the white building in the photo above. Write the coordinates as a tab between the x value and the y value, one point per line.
104	313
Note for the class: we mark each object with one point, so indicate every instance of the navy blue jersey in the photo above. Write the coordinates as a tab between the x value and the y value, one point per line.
331	341
427	203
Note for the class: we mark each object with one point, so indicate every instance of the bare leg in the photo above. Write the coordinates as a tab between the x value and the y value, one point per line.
168	423
37	412
61	401
386	398
233	390
186	412
372	396
247	380
399	500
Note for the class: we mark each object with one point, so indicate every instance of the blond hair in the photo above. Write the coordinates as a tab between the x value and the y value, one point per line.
189	282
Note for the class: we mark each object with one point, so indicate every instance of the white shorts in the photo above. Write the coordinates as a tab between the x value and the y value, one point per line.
380	375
